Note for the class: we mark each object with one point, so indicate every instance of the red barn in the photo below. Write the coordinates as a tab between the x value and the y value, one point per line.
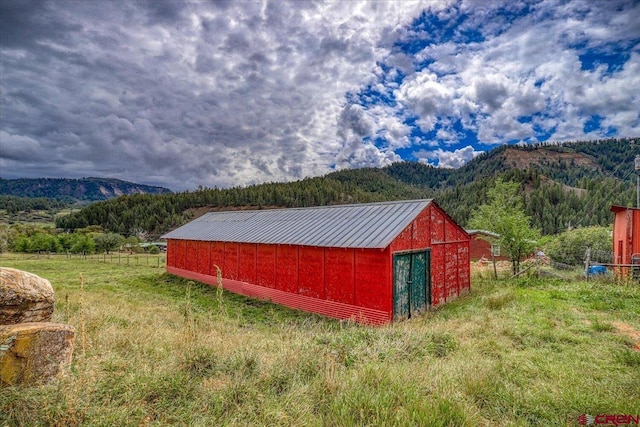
372	262
626	238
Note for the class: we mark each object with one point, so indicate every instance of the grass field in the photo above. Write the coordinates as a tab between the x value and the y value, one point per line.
153	349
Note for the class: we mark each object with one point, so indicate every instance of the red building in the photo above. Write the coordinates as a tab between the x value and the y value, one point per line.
626	238
479	246
373	262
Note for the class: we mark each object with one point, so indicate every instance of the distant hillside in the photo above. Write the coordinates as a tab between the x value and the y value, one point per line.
562	186
82	190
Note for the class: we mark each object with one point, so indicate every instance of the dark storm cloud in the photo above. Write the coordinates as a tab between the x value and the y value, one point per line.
23	23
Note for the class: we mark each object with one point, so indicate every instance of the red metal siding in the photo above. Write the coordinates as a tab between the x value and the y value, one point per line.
339	275
311	272
191	261
248	262
231	261
217	257
266	266
172	249
437	274
181	254
450	231
636	232
287	268
464	272
373	279
422	229
416	236
204	258
451	271
437	226
404	240
626	237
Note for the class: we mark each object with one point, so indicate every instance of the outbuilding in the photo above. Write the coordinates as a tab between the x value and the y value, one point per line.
373	262
480	246
626	240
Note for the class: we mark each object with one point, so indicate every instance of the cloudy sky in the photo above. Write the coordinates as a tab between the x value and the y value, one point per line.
225	93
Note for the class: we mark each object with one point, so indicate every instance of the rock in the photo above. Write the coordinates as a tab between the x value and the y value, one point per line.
24	297
34	353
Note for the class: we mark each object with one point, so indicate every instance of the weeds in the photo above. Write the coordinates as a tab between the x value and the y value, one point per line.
162	350
499	300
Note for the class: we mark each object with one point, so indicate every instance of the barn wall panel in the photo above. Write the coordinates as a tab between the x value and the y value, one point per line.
464	273
451	271
247	269
266	266
450	231
216	254
287	268
181	254
339	270
172	248
311	267
422	230
204	258
373	279
437	274
437	226
635	232
191	261
231	261
403	242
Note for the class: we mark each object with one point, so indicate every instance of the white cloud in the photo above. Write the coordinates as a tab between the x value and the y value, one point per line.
448	159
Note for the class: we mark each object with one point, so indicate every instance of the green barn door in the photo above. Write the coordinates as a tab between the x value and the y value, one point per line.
411	293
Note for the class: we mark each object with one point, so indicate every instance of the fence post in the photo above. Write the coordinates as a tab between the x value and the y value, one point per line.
587	262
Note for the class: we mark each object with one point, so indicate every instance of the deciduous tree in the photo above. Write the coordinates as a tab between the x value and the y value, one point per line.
504	214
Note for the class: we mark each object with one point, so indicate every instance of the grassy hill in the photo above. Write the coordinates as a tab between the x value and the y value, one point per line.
153	349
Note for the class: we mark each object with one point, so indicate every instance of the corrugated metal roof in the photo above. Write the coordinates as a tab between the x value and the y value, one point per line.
370	225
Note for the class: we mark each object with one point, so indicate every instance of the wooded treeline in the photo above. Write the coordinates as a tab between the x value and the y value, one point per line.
563	186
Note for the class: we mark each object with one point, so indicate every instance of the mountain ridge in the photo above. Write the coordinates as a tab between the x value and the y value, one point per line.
89	189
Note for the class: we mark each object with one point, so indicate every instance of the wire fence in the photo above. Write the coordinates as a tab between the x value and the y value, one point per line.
149	260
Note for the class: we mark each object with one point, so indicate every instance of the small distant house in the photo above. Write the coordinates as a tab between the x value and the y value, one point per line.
480	247
162	246
373	262
626	239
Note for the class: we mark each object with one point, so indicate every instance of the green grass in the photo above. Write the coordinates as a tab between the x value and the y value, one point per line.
160	350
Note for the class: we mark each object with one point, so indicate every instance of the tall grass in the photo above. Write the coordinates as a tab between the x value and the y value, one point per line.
165	351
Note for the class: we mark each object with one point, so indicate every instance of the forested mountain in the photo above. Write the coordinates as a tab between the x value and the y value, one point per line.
74	190
563	186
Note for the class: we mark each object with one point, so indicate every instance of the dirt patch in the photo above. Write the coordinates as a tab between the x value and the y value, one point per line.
621	327
523	159
630	331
